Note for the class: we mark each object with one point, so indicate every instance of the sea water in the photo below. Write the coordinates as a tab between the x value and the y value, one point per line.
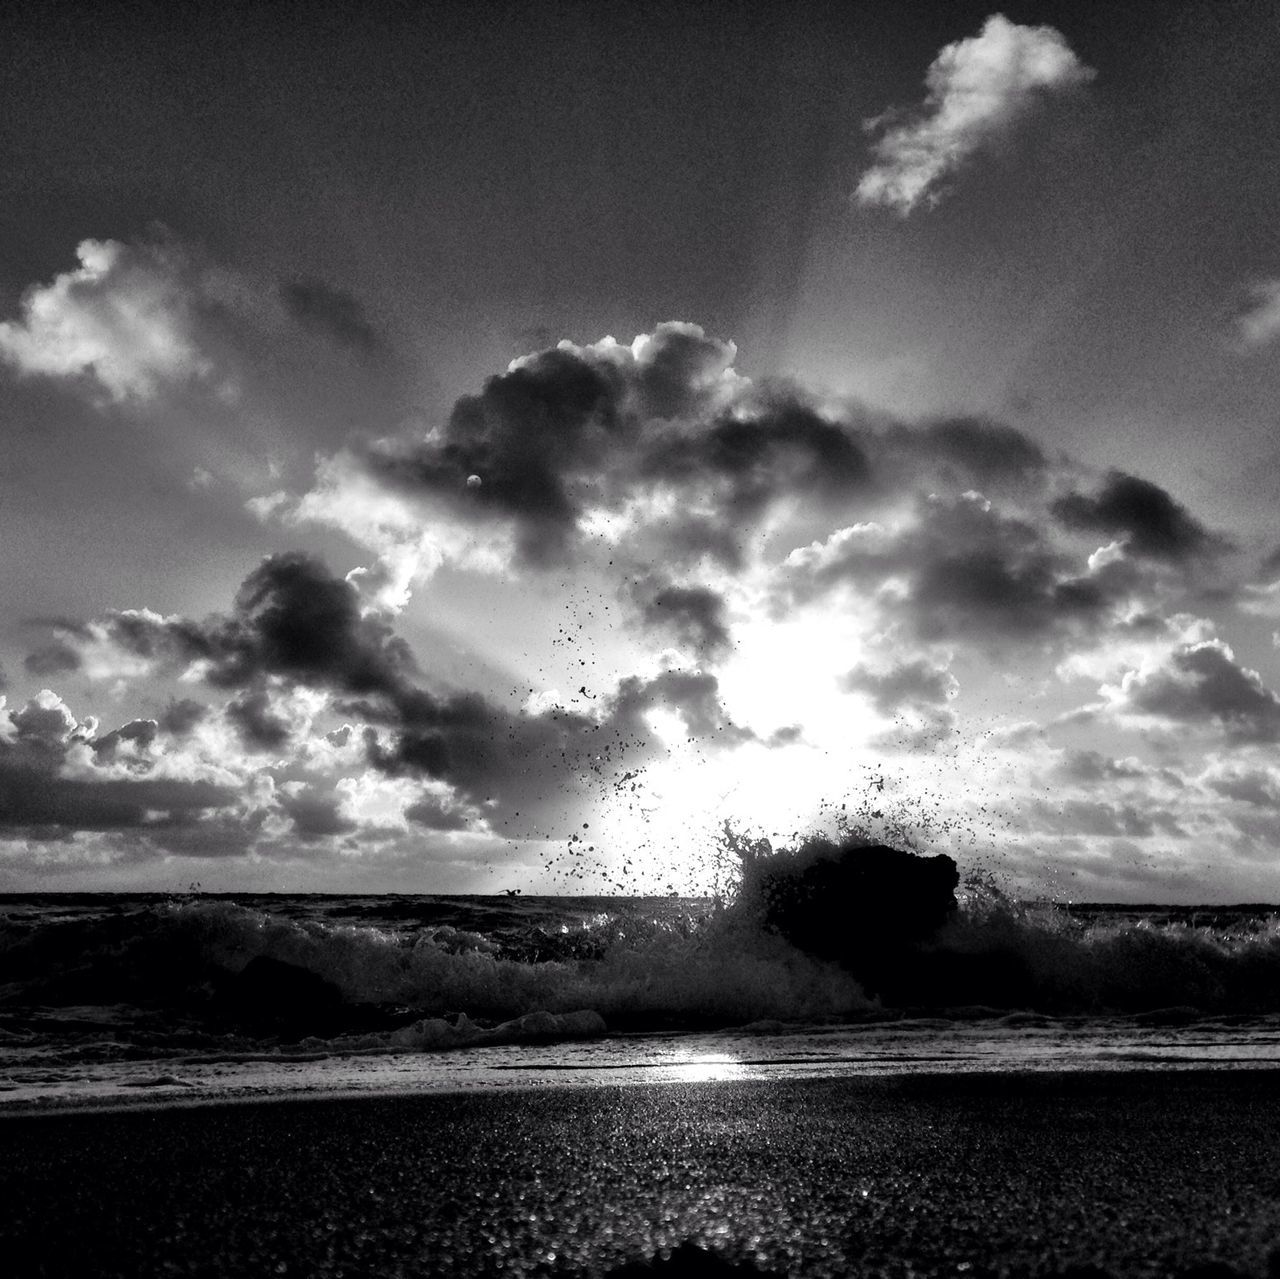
110	998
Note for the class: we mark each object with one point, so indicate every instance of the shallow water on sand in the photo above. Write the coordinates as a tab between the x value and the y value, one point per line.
971	1045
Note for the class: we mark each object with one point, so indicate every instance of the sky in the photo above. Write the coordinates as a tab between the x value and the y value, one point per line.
465	448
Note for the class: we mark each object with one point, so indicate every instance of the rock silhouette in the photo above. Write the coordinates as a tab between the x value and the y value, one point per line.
868	907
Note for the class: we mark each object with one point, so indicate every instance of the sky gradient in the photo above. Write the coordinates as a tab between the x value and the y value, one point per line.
489	447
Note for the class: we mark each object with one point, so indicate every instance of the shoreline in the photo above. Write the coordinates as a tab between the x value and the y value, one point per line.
1134	1172
759	1051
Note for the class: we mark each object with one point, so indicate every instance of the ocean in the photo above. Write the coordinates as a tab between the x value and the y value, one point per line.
110	999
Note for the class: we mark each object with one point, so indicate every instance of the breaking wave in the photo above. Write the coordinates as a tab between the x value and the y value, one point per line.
114	977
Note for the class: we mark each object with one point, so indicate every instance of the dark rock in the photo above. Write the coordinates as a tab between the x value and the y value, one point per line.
868	907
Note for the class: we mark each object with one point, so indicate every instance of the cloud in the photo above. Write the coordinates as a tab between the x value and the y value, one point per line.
657	445
1093	817
652	453
979	89
434	812
315	814
137	737
1151	524
1259	323
916	684
692	696
56	658
182	715
960	569
291	618
123	323
333	313
1093	767
1257	787
296	626
692	615
561	432
973	452
261	727
55	777
1201	683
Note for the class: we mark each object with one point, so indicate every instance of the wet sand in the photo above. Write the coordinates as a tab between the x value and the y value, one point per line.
1139	1173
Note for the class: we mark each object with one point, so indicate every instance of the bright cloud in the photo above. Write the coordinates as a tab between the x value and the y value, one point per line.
978	90
124	321
1259	324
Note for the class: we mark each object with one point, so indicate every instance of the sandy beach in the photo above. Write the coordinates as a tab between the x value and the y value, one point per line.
1137	1173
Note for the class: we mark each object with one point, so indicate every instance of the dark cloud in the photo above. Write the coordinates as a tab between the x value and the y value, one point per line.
539	766
1258	787
31	798
781	448
292	618
693	615
332	312
181	716
980	593
52	659
259	725
674	372
38	801
315	815
140	733
1092	766
965	571
295	624
526	435
432	813
661	448
969	452
1201	683
45	724
916	684
578	428
1100	819
694	696
1149	521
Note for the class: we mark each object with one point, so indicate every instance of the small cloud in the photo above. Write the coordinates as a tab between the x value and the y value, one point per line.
316	815
1259	323
435	813
695	615
260	726
123	321
333	313
1090	766
181	716
1151	523
1202	683
53	659
915	684
978	90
